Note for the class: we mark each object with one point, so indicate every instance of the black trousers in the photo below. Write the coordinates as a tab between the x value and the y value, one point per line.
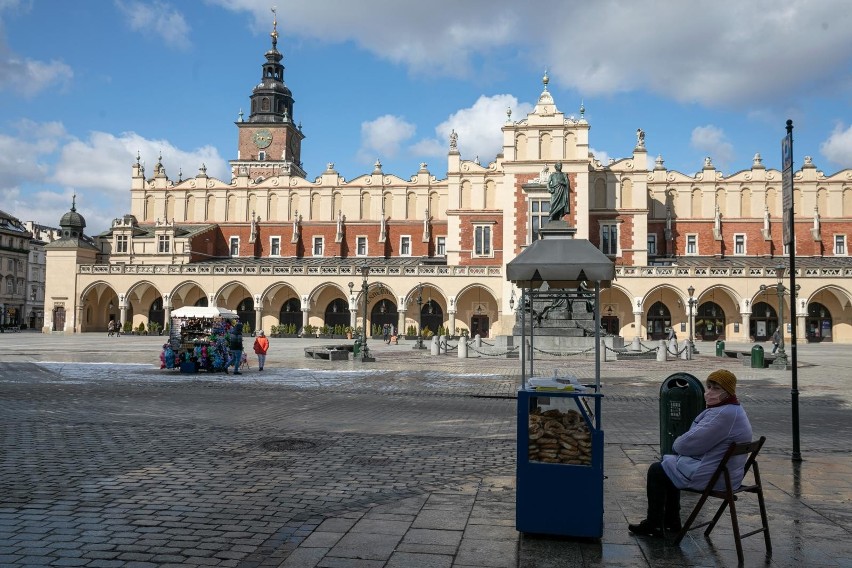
663	497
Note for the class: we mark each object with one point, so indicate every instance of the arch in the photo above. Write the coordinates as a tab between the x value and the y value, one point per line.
336	313
847	202
822	201
314	209
366	202
465	195
170	207
186	293
797	201
411	205
252	206
149	208
763	322
695	203
210	208
570	150
337	204
546	146
658	320
435	205
521	146
709	321
772	202
627	194
231	209
387	204
818	323
189	208
156	313
600	194
245	312
384	313
290	313
490	194
745	202
721	201
293	201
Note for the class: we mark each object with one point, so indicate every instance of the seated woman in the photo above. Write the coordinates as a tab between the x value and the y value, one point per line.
697	455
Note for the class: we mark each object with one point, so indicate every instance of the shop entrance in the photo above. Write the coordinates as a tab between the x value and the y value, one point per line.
479	325
59	319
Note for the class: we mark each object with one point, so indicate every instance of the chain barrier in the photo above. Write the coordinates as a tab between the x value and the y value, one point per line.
501	354
589	350
677	353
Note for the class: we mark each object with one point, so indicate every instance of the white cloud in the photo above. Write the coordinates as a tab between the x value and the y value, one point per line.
96	169
159	18
478	128
718	53
28	77
712	141
383	137
838	148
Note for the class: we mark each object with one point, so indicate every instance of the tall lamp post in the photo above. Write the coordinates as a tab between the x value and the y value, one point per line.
365	286
419	343
691	302
781	358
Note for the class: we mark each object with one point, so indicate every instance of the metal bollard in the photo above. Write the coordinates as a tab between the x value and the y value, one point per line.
478	341
603	351
462	349
435	350
442	344
662	351
685	351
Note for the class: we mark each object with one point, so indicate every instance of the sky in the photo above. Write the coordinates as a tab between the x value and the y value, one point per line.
85	85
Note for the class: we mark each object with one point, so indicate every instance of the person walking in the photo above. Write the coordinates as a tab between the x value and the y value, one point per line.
261	346
776	339
110	328
236	347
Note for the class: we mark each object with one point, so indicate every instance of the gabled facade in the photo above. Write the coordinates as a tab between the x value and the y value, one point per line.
281	248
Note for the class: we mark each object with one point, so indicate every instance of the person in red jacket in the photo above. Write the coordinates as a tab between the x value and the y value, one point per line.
261	346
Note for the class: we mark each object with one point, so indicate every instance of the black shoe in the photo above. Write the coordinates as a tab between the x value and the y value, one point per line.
237	373
645	528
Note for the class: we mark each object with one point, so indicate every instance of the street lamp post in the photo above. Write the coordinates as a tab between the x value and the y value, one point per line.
365	286
781	360
419	343
691	302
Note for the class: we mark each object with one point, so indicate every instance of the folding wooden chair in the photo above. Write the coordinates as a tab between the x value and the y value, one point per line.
729	495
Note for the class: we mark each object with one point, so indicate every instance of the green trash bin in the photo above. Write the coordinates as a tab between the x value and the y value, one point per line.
757	357
720	348
356	348
681	400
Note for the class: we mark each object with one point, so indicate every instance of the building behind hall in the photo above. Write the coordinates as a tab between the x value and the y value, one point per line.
281	247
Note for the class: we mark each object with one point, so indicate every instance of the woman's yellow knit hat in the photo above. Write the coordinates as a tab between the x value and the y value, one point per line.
725	379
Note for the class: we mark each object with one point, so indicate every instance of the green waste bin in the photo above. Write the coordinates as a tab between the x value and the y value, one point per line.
757	357
356	348
720	348
681	400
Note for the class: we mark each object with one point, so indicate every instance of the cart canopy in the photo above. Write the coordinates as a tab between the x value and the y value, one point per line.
203	312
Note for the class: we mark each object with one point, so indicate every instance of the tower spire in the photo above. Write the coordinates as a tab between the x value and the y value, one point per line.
274	33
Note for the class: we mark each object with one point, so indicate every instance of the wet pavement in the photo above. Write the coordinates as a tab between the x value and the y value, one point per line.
406	462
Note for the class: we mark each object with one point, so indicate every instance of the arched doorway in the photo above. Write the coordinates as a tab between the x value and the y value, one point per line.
384	312
659	321
291	313
337	313
710	322
764	321
156	314
818	323
479	325
245	311
431	316
201	302
609	322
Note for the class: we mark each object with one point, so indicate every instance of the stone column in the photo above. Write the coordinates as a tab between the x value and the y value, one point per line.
452	314
400	322
746	325
637	322
258	317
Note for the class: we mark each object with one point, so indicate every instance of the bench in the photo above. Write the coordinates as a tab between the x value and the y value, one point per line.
745	357
329	352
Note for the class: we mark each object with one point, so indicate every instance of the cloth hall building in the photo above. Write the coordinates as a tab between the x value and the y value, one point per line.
280	248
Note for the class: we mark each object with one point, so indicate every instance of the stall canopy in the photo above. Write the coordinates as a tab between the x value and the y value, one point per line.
562	263
203	312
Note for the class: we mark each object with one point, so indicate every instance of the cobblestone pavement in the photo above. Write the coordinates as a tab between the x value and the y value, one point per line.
407	462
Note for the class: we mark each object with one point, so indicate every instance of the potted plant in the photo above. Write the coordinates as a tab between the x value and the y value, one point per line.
128	327
309	331
411	332
339	332
325	332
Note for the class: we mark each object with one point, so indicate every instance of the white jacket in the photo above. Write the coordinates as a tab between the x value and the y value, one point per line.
700	450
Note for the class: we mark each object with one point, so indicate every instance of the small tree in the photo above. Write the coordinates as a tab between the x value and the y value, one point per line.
141	329
246	328
128	326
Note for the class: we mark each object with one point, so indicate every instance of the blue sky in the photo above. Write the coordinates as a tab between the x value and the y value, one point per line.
86	84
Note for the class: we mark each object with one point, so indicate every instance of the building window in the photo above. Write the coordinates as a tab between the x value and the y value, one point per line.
652	244
405	245
318	246
739	244
609	238
275	246
539	213
121	244
482	240
361	246
692	244
840	245
235	246
163	242
261	155
441	246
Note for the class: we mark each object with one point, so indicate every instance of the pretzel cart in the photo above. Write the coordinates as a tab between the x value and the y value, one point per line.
560	459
